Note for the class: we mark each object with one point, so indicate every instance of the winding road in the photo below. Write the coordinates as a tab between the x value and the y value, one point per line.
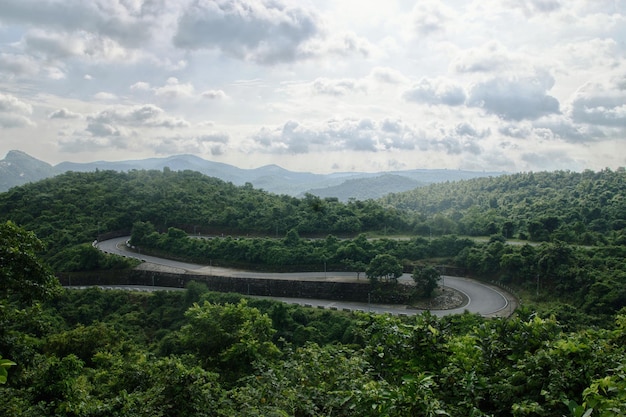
482	299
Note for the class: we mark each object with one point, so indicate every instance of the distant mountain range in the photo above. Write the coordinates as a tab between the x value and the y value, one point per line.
19	168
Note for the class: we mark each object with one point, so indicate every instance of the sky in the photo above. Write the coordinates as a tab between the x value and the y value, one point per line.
321	86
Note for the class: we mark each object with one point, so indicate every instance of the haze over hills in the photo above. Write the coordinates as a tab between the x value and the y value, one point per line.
19	168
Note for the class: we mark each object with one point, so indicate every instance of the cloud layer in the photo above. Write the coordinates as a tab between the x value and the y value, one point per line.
320	86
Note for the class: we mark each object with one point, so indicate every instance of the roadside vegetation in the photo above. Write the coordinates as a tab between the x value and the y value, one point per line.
194	353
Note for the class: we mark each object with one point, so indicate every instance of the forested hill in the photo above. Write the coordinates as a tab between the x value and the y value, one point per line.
77	207
584	208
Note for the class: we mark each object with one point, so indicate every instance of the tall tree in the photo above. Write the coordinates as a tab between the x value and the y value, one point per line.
384	266
23	276
426	279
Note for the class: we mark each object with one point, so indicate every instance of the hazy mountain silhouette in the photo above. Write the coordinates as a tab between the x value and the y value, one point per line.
19	168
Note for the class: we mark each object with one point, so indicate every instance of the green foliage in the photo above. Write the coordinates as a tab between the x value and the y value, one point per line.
384	267
194	353
230	357
85	257
426	279
583	208
76	208
232	333
5	364
23	275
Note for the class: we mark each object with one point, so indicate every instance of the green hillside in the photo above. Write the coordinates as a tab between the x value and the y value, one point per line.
76	207
583	208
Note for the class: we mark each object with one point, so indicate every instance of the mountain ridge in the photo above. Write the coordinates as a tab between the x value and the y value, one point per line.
19	168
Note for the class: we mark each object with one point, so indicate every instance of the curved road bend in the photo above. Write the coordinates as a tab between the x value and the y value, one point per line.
483	299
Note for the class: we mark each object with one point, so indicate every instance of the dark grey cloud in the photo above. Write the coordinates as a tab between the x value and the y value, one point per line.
515	98
264	31
436	91
119	20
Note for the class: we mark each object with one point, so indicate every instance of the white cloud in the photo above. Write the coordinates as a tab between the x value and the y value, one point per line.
436	91
262	31
140	86
103	129
174	89
122	21
357	85
64	114
11	104
214	143
388	76
431	16
53	45
337	45
532	7
515	98
214	94
602	103
360	135
337	87
17	65
147	115
489	57
104	96
14	112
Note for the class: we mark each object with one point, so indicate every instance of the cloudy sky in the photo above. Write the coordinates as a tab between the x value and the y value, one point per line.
320	85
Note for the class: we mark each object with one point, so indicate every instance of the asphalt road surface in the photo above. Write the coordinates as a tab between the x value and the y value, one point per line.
483	299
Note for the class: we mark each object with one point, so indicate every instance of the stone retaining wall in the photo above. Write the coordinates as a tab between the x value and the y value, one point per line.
341	291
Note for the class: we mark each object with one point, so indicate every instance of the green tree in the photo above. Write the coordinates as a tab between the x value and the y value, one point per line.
232	336
384	267
24	278
426	279
23	275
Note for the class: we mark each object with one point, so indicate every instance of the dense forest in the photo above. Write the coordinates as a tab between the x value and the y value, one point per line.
584	208
192	352
75	208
